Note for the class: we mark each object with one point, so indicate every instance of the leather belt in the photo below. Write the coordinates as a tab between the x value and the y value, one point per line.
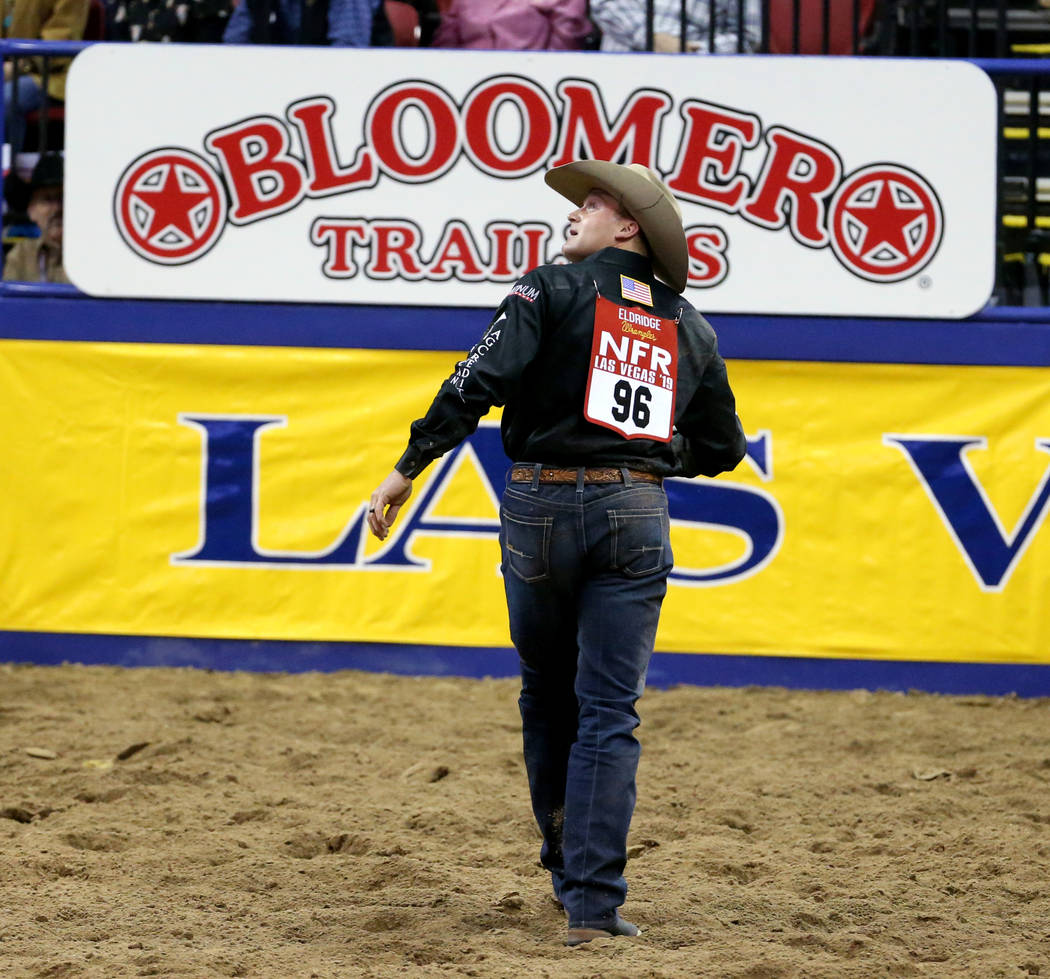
601	474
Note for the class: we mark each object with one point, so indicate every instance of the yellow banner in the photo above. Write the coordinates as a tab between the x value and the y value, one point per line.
884	511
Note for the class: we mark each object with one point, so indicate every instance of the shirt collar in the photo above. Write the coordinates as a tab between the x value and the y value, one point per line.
639	266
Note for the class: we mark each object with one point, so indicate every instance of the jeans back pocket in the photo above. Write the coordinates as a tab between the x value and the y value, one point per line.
527	544
638	540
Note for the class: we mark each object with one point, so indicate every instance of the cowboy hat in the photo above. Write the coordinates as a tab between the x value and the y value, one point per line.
644	196
47	172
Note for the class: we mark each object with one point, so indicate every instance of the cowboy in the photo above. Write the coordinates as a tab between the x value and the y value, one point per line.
610	381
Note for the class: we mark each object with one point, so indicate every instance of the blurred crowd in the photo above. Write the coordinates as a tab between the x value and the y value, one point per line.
34	91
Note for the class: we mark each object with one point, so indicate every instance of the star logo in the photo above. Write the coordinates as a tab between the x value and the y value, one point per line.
170	206
886	223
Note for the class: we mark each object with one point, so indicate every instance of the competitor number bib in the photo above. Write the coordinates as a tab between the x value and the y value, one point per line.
634	367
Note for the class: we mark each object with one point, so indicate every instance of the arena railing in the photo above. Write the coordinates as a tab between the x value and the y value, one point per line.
916	28
15	48
1023	178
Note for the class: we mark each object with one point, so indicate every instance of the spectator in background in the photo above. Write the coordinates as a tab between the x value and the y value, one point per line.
37	20
428	15
182	21
622	23
40	259
514	25
345	23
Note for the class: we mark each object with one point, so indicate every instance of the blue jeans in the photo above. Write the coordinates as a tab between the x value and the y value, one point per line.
585	569
30	97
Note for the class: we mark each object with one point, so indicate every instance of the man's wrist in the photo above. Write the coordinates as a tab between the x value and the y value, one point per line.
409	465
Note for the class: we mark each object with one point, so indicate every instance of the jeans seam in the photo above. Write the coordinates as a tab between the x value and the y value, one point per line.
590	797
540	499
637	489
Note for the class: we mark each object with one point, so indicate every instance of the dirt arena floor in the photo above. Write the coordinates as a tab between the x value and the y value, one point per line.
186	823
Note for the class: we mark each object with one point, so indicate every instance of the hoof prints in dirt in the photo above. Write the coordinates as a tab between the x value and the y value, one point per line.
100	842
306	846
17	813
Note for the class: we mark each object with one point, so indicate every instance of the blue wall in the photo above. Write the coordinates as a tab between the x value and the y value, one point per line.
1008	337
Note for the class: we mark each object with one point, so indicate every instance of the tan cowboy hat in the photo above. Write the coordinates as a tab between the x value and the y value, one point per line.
644	196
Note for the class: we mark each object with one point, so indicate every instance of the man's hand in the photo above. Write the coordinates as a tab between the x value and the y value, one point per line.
386	501
666	43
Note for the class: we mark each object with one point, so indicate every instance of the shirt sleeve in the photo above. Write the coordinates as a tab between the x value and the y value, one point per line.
667	19
728	26
568	23
350	22
448	34
239	26
489	375
710	439
623	22
21	264
66	22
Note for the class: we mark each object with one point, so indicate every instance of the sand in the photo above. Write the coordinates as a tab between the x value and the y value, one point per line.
207	824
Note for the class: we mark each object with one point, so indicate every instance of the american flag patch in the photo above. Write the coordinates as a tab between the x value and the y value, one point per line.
638	291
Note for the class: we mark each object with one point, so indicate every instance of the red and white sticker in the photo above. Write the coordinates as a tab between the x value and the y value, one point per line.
170	206
634	367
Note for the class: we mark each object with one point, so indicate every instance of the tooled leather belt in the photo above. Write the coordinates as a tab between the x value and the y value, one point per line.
600	474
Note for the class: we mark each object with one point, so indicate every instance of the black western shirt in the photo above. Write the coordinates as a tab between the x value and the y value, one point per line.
537	359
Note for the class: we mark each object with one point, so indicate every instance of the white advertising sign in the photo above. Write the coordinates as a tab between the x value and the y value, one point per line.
828	186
